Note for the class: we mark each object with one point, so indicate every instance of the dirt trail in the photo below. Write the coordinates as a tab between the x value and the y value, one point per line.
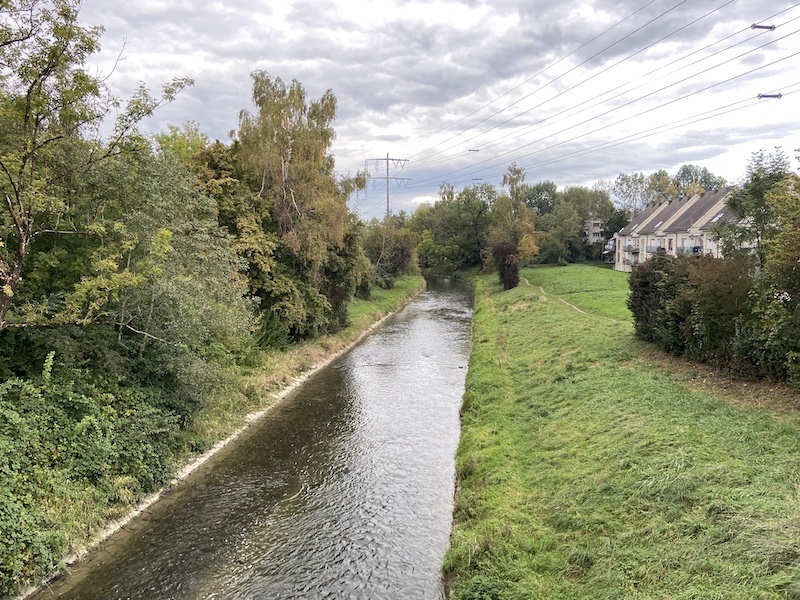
561	299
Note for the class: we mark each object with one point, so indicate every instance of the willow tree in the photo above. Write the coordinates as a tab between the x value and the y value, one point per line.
51	108
284	149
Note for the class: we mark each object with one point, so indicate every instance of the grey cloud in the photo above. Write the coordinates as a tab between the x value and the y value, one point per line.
400	82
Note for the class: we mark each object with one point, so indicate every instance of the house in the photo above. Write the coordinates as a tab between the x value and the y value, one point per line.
594	231
679	226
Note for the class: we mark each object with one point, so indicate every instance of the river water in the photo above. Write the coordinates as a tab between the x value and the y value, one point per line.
343	490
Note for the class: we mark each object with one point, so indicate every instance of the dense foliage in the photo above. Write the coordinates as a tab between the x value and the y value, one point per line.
741	312
139	275
506	257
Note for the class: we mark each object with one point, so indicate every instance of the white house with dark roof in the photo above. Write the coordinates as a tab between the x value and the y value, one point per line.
678	226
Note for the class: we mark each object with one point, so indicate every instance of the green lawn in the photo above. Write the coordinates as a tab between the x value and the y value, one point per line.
587	470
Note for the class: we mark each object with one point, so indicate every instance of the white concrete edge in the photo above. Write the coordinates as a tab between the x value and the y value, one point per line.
117	524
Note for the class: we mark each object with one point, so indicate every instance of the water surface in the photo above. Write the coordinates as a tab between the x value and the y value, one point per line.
343	490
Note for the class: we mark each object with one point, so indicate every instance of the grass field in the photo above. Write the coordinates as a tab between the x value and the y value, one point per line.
591	466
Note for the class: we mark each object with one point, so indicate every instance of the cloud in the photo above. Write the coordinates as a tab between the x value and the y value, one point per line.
546	85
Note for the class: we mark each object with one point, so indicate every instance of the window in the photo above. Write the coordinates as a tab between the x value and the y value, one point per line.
669	244
596	234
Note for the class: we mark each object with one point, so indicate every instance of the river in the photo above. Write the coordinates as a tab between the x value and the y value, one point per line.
342	490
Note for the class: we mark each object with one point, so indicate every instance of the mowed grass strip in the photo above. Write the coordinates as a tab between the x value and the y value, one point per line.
588	470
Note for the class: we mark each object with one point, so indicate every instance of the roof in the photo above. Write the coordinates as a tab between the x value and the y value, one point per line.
701	211
640	219
696	208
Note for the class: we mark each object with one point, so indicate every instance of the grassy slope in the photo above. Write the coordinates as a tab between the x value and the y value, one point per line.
587	469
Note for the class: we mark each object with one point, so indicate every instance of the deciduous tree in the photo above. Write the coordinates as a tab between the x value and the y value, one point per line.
748	203
51	107
284	153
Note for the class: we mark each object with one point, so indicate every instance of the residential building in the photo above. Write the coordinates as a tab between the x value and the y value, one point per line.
594	231
679	226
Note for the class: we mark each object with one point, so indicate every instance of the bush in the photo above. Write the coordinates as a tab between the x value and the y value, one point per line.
68	433
659	301
719	294
769	339
715	310
506	258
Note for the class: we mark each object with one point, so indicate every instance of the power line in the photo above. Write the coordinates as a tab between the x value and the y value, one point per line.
628	104
683	122
583	81
596	100
552	81
563	58
704	116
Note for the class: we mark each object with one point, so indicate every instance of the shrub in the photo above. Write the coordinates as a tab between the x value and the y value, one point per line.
506	258
659	301
719	293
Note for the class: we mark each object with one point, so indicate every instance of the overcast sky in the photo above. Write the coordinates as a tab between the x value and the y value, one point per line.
573	91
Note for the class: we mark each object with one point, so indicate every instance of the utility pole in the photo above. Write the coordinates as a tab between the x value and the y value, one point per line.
400	161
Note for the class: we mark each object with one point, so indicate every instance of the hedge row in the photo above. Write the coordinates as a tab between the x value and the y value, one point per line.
722	311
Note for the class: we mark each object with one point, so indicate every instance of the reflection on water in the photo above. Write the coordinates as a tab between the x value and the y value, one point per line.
344	490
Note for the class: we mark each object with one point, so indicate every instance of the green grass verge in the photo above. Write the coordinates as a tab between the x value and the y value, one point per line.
588	470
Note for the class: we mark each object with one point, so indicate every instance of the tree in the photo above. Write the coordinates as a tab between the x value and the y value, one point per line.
512	218
632	192
693	179
661	186
453	231
782	249
541	197
283	152
748	203
391	248
619	219
184	142
505	256
50	110
562	227
770	339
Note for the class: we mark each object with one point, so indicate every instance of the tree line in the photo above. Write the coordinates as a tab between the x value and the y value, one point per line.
138	272
485	227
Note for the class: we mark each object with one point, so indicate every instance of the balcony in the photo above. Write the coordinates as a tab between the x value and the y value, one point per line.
631	248
630	261
690	250
656	249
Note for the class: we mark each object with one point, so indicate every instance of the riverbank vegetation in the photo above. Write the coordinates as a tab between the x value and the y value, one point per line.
592	465
78	454
740	312
152	288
